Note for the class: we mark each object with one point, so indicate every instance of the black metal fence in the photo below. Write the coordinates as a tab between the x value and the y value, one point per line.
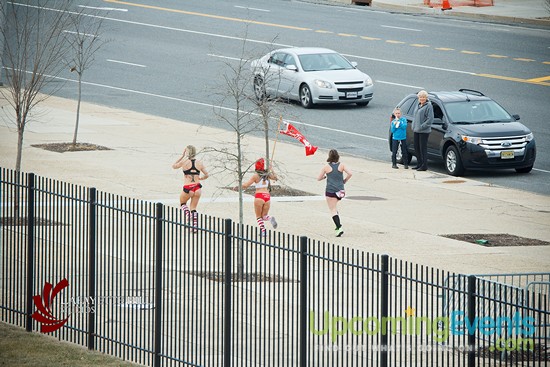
134	279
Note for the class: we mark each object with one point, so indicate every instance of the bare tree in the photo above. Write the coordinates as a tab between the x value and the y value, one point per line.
269	108
34	50
245	114
84	40
253	112
240	120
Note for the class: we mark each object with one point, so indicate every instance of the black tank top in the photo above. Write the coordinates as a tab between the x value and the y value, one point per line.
193	170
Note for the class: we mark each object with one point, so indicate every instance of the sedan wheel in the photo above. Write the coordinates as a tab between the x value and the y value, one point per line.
305	96
453	162
259	89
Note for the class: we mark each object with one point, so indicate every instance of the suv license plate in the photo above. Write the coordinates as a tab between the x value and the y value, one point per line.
509	154
351	95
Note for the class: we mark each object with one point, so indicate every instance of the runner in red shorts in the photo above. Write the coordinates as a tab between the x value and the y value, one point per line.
262	198
192	169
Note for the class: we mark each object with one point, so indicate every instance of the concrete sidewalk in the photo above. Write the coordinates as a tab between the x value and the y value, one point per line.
533	12
398	212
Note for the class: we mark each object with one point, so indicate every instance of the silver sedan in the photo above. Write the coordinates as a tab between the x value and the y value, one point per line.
311	76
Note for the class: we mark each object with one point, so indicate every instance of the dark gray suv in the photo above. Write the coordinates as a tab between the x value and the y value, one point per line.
471	131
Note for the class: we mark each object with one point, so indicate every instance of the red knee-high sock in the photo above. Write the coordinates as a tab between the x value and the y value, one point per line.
261	224
186	211
195	218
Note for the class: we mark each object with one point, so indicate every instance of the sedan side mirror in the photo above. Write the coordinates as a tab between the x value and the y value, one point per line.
516	117
291	67
354	64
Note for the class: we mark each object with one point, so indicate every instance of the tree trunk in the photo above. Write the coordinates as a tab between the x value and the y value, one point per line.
240	262
19	145
266	135
78	108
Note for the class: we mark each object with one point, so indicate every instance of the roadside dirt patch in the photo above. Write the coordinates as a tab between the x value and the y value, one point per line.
69	147
277	190
496	239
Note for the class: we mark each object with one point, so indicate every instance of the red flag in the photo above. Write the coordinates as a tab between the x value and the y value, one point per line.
290	130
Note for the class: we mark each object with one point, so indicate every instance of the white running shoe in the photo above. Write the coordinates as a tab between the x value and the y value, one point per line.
273	222
339	232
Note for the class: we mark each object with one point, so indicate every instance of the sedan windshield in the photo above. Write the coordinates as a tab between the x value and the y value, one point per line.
328	61
477	112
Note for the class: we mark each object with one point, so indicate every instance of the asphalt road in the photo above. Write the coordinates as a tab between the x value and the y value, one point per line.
168	58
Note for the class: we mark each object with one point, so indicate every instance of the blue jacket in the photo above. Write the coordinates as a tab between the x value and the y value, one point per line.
399	133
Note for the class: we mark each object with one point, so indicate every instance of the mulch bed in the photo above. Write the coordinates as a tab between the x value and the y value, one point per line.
497	239
22	221
69	147
277	190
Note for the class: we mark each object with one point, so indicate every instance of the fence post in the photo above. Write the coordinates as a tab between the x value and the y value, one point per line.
30	248
158	284
384	302
471	317
91	264
227	300
303	301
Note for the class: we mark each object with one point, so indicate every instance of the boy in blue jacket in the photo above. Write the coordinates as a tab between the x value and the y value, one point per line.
399	135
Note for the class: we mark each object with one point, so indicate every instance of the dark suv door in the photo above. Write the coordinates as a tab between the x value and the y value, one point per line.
437	136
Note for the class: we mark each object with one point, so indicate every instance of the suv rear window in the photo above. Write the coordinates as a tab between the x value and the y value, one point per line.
407	107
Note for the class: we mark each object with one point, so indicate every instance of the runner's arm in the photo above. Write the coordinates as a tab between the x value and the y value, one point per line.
323	174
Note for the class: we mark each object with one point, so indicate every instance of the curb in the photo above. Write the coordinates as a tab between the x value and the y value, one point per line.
421	9
424	9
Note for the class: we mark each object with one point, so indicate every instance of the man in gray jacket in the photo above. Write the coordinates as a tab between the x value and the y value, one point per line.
422	127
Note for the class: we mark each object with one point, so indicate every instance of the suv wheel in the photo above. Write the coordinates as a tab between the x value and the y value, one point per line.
524	169
453	162
399	157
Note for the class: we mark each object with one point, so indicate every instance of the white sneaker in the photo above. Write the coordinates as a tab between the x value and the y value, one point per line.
273	222
339	232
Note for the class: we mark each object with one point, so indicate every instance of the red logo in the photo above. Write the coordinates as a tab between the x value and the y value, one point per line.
43	313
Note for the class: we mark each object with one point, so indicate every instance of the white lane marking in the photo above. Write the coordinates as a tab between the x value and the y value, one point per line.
405	29
400	85
127	63
84	34
541	170
377	81
272	43
409	64
225	57
256	9
168	28
102	8
209	106
222	108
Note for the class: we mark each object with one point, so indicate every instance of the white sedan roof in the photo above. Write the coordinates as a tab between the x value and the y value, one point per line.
305	50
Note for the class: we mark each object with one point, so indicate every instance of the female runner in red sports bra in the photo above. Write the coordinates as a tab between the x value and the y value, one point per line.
262	198
192	169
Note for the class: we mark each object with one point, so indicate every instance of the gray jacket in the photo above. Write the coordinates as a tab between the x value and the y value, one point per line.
423	118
